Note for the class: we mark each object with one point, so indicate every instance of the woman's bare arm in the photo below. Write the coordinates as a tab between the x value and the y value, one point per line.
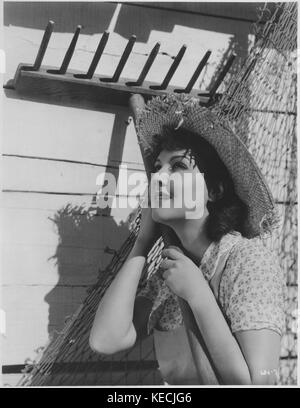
113	327
204	365
249	357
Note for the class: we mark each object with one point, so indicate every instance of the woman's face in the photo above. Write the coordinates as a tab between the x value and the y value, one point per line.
178	189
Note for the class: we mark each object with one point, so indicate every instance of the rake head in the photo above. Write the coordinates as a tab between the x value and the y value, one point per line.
38	81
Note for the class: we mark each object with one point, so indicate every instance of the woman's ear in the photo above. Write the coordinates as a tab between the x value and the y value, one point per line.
216	193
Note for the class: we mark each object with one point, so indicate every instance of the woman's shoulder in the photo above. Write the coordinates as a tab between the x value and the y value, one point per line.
253	290
252	249
252	260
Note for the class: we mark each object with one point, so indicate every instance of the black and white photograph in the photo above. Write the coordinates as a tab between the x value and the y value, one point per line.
149	196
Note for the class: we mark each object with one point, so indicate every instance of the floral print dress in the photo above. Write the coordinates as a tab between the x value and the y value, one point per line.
247	282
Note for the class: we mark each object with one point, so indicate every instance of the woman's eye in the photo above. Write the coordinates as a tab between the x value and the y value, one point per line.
179	165
157	168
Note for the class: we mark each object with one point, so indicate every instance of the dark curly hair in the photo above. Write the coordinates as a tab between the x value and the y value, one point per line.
227	212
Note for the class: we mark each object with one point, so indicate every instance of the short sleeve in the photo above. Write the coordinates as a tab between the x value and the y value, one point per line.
255	289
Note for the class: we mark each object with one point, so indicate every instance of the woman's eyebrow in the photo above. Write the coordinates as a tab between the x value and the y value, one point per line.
180	156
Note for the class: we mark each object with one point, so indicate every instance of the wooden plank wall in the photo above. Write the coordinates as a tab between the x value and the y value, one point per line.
52	154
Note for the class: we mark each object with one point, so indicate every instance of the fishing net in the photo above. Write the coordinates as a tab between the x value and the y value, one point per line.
260	101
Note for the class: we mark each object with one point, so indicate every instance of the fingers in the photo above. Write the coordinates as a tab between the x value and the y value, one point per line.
166	264
172	253
164	267
175	247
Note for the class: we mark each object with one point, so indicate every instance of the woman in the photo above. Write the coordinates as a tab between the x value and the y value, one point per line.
232	284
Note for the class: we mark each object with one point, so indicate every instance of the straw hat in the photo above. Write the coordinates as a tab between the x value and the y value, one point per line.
181	110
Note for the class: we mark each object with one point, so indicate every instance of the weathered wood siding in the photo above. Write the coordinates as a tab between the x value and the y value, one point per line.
52	154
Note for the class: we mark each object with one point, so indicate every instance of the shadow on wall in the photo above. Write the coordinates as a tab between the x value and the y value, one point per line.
94	17
134	18
79	257
83	236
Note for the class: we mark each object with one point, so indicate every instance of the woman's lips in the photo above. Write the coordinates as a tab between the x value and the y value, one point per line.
162	196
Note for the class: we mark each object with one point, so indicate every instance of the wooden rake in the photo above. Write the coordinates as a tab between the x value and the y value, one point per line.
37	80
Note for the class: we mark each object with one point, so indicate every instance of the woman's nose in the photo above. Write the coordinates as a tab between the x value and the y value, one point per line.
166	169
163	175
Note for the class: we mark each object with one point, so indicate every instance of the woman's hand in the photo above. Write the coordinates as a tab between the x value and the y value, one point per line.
149	231
180	273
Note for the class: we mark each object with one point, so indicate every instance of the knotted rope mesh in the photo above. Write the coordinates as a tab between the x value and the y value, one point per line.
260	101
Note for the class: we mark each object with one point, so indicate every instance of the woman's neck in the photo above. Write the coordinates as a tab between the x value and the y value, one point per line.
193	237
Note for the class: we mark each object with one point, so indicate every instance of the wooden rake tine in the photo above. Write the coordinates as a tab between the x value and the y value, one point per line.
171	71
221	76
96	59
43	47
147	66
196	74
122	62
66	61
